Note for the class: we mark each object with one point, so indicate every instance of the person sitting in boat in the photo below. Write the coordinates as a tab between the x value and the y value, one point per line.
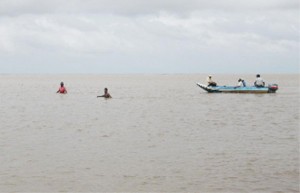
241	83
244	83
259	82
210	82
62	89
106	94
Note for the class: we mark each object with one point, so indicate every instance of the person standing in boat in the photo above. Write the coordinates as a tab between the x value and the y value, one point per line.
62	89
210	82
259	82
106	94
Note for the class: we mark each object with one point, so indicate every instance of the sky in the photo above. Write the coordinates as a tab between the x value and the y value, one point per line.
149	36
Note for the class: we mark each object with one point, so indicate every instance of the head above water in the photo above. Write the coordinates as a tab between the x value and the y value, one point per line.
258	75
105	90
62	84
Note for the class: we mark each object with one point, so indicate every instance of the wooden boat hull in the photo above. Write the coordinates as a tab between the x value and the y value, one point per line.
234	89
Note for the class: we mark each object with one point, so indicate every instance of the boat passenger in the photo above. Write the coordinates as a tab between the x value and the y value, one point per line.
244	83
240	83
210	82
62	89
106	94
259	82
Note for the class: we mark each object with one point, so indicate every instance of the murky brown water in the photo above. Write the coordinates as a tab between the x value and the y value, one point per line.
159	133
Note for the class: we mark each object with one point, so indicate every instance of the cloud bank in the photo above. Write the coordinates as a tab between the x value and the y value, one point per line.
132	36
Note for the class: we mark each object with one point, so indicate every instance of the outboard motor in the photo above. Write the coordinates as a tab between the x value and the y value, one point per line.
273	87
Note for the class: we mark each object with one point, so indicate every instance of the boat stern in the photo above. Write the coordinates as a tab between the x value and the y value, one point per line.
272	88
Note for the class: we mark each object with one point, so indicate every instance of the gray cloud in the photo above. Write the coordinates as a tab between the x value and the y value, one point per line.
16	7
134	35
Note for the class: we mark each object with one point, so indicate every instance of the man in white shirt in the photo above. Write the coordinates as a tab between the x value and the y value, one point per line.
240	83
210	82
259	82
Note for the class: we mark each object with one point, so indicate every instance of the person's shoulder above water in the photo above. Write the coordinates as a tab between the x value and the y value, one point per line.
106	94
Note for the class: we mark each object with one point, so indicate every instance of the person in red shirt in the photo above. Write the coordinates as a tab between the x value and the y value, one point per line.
62	89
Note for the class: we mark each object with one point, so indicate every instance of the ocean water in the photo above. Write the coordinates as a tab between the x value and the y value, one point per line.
159	133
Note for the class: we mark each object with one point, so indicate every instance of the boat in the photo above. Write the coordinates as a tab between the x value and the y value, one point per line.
272	88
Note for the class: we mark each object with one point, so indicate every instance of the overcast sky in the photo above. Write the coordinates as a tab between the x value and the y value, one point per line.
149	36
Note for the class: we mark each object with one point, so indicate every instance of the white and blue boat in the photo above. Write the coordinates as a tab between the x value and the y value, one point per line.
272	88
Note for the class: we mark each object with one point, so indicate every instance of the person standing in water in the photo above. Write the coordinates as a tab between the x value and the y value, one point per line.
62	89
106	94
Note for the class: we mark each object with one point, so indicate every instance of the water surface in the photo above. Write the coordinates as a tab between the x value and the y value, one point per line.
159	133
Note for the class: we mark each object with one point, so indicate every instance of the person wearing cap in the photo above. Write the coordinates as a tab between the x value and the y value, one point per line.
62	89
259	82
106	94
210	82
